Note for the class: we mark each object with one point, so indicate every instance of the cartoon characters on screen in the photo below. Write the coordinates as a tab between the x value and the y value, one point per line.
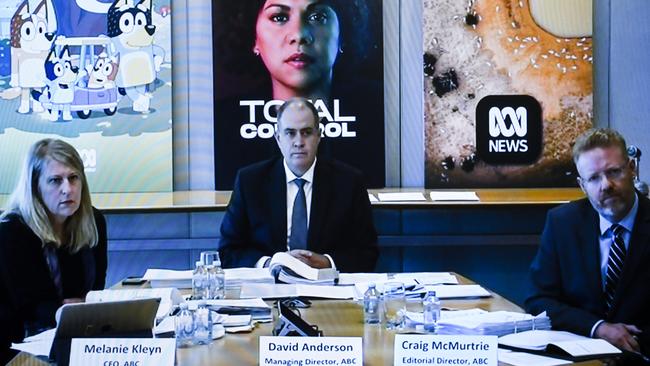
61	78
33	27
102	74
129	62
132	34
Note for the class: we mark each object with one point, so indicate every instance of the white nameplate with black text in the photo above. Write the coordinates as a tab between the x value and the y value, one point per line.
445	350
122	351
301	351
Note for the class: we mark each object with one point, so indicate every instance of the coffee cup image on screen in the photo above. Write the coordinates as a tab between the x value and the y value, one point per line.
267	51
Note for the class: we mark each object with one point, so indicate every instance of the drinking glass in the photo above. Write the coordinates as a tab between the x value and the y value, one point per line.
394	303
210	257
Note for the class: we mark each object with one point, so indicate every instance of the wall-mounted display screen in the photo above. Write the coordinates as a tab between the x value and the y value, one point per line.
268	51
489	66
96	74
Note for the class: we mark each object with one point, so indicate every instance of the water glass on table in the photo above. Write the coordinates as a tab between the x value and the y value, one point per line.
394	303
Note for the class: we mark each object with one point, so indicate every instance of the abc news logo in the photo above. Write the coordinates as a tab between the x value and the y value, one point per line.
508	129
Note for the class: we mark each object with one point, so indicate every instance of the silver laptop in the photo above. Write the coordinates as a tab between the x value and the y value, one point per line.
114	319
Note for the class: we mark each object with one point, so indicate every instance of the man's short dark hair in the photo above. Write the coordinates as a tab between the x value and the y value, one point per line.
303	102
598	137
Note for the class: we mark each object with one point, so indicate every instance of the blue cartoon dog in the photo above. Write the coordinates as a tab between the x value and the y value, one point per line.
132	34
61	78
32	31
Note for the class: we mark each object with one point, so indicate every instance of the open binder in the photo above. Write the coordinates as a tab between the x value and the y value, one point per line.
559	344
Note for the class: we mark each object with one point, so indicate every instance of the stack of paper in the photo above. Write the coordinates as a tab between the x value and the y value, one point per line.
493	323
168	278
275	291
256	309
236	276
453	196
183	279
413	319
168	297
290	269
354	278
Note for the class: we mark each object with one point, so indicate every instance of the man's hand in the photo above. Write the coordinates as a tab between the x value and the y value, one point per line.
312	259
621	335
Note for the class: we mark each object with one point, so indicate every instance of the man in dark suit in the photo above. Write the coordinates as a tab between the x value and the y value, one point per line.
317	210
592	271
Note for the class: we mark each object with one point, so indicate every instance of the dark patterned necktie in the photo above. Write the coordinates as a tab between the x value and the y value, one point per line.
298	239
617	254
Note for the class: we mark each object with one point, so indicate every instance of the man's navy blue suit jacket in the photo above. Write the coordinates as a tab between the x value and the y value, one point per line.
565	275
340	222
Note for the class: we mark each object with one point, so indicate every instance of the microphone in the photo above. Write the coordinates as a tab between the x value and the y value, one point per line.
635	153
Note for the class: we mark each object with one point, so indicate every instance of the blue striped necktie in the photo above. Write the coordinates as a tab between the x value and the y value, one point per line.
617	253
298	239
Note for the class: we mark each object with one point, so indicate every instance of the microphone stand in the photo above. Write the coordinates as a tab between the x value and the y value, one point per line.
635	153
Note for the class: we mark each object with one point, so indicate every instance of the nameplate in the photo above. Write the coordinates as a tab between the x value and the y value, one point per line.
445	350
311	351
122	351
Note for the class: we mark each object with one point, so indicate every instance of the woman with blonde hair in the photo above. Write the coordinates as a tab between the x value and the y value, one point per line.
52	242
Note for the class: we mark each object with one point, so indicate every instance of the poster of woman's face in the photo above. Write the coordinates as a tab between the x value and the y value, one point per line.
329	51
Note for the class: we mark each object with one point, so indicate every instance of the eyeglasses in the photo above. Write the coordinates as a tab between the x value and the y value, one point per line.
612	174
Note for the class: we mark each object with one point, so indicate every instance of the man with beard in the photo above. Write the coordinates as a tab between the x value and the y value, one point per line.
591	272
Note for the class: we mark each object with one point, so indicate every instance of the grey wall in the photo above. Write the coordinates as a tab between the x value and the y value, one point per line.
192	94
624	80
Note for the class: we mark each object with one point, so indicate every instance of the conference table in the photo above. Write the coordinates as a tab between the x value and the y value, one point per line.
343	318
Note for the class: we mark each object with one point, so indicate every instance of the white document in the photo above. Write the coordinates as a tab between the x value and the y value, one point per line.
282	260
326	292
354	278
372	198
453	196
401	196
167	274
475	321
267	290
37	345
573	344
418	318
242	303
528	359
165	326
427	278
244	274
168	297
458	291
274	291
235	320
168	278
